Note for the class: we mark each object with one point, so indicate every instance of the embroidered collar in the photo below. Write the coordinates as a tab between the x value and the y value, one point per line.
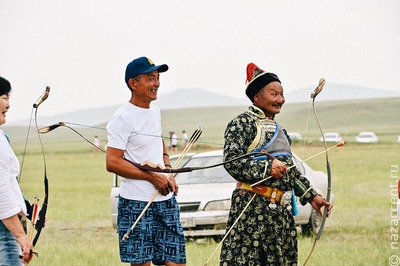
258	112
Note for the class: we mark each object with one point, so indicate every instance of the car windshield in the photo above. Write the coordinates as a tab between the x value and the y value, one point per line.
211	175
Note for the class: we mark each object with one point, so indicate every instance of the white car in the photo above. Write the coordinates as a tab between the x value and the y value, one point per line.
205	197
295	136
366	137
331	137
398	138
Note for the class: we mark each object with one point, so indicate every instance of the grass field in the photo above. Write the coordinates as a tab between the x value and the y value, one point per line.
361	231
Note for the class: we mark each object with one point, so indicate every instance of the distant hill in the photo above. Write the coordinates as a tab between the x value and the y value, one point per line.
347	117
192	98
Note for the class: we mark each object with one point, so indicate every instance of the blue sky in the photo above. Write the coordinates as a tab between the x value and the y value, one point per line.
81	48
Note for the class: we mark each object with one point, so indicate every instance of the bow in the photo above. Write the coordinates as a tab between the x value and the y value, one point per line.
148	166
339	144
328	167
38	220
47	129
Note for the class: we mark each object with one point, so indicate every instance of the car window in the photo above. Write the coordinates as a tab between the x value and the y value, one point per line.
174	158
205	176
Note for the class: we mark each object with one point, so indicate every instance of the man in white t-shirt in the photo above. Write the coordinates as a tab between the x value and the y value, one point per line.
135	134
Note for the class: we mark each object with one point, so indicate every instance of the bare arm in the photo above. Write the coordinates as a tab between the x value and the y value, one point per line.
318	202
14	225
167	164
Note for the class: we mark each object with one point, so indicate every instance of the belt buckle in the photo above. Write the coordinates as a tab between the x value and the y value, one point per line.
287	199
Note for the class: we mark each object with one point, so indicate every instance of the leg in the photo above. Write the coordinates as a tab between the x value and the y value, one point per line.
142	264
138	249
169	246
169	263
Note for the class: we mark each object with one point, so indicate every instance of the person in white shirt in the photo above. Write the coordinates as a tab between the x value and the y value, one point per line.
185	138
13	238
96	142
134	133
174	141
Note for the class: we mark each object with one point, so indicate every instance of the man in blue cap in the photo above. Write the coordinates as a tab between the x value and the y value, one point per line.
134	133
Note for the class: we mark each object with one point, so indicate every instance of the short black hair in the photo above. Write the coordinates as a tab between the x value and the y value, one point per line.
5	86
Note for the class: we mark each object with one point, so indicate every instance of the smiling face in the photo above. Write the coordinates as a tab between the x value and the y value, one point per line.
270	99
4	106
144	88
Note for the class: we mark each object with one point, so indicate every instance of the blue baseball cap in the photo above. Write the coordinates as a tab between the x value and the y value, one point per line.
142	65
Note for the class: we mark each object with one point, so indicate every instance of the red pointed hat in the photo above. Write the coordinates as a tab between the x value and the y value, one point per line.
257	79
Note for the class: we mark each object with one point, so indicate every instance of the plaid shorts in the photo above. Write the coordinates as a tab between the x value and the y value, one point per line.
158	236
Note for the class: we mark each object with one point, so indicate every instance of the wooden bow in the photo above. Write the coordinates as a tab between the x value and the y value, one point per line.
39	212
148	166
328	167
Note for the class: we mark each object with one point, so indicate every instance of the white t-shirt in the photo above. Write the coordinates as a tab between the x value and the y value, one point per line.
174	140
138	132
11	198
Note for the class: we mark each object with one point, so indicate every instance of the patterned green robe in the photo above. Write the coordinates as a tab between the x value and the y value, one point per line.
263	236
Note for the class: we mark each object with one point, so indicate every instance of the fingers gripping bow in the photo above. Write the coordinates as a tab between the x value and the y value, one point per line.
195	136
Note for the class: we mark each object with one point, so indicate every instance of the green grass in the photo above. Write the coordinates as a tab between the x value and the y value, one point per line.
79	231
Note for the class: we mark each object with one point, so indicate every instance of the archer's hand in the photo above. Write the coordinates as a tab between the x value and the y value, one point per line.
174	185
278	168
162	183
27	249
318	202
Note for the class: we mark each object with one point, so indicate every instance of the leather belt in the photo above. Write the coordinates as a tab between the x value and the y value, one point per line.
274	194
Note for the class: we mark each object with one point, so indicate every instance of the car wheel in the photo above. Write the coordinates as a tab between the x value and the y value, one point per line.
313	224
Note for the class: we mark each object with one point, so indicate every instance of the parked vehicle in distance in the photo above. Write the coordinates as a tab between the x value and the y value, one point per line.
331	137
366	137
205	197
398	139
295	136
